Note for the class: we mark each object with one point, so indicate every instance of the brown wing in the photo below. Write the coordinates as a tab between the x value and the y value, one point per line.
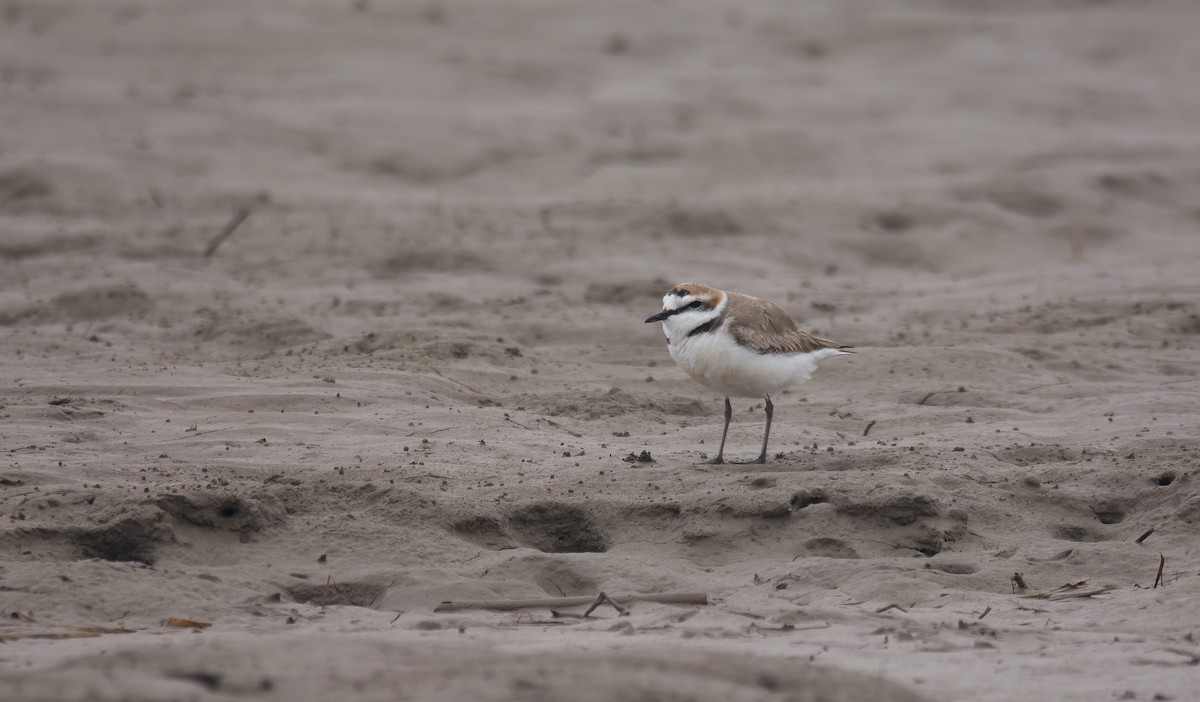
764	326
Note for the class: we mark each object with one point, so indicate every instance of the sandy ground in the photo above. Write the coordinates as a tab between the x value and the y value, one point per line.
414	373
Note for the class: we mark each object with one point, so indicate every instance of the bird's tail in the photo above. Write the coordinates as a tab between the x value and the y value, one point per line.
829	352
834	346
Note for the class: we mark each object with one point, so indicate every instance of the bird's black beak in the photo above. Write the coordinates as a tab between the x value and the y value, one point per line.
658	317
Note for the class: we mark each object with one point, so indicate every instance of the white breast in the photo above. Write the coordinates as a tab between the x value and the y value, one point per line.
718	361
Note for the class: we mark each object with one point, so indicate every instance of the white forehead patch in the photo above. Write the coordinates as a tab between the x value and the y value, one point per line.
674	302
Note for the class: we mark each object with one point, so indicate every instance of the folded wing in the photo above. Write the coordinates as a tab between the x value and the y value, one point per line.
763	326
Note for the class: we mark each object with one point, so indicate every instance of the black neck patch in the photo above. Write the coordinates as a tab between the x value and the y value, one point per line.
703	328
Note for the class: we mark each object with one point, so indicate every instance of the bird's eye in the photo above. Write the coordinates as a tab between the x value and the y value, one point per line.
696	305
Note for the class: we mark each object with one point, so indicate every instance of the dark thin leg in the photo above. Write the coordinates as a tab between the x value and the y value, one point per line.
721	451
762	457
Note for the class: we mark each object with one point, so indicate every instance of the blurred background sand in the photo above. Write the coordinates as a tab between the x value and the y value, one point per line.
413	373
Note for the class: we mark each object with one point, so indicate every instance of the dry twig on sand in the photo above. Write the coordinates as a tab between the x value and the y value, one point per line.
925	399
1145	536
556	425
559	602
330	586
59	632
1195	657
185	623
1068	595
1069	591
238	217
1162	561
787	628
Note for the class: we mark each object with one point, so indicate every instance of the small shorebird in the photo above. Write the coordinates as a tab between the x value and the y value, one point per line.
738	345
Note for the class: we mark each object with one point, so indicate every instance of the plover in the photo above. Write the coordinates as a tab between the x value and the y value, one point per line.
740	346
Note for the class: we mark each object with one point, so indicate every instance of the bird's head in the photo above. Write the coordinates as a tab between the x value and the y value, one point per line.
687	306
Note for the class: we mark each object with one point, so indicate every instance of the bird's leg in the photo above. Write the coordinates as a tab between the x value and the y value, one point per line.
762	457
720	459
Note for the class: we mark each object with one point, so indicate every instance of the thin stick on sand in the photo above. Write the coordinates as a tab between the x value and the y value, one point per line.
1162	561
238	217
700	598
1068	591
60	632
1145	536
330	586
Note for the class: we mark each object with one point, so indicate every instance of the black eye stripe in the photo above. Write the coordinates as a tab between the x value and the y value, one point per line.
694	305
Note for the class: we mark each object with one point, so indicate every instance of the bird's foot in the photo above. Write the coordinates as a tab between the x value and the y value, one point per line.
758	461
718	461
